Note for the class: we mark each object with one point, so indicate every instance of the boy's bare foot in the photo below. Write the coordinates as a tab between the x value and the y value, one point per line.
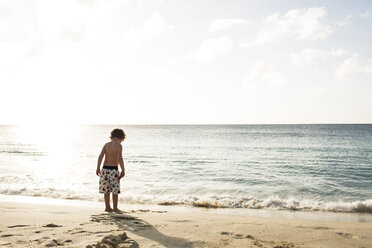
116	210
109	210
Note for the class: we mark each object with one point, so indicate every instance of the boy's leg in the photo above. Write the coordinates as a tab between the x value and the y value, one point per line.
107	202
116	190
115	200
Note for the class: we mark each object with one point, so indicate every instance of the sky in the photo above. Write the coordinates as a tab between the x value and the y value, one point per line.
185	62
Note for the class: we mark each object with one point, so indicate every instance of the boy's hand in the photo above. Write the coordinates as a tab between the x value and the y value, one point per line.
122	174
98	172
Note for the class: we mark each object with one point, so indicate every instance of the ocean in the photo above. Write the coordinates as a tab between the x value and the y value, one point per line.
294	167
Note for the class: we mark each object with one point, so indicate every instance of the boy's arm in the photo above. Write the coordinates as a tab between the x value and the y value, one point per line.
100	157
121	162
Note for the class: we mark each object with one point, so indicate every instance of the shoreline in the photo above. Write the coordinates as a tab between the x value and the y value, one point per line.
352	217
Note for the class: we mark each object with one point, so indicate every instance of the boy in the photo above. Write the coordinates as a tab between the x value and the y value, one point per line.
109	176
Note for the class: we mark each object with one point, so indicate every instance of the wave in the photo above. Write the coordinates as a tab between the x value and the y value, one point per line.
27	153
212	201
273	202
47	192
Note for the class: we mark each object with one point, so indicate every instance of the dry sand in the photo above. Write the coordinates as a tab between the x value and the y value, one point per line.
39	222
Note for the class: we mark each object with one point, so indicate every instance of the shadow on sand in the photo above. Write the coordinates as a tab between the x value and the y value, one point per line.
140	227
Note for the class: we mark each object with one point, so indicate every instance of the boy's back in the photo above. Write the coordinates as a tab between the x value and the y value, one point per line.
113	151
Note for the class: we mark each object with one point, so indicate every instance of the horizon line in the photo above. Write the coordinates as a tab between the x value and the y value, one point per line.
189	124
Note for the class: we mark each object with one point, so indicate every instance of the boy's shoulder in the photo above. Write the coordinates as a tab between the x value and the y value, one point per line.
112	144
106	145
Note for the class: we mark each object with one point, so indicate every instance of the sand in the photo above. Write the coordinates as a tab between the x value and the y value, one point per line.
40	222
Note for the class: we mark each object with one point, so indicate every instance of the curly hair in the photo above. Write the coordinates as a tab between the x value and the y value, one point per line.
118	133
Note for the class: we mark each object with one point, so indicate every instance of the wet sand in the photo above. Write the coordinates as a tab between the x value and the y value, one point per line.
41	222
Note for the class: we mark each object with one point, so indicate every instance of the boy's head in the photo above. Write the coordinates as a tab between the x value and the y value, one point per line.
118	133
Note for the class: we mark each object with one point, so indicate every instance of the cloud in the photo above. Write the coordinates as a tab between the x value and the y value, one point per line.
146	2
353	66
19	32
309	55
149	29
365	14
262	75
220	24
317	91
212	49
300	24
344	22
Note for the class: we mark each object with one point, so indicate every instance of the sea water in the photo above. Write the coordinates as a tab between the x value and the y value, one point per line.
299	167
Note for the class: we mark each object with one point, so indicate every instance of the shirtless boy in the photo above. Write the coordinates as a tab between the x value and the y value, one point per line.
109	175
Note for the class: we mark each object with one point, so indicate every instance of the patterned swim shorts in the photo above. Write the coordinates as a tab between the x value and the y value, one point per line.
108	182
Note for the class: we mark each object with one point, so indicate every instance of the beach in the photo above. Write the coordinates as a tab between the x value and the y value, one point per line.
190	186
43	222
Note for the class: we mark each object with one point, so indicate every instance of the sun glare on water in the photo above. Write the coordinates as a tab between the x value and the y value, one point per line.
48	155
55	141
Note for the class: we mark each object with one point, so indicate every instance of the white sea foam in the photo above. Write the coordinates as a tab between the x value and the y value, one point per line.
272	202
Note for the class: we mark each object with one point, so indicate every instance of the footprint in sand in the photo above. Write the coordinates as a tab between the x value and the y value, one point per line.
237	236
321	228
141	210
17	226
180	221
54	242
348	235
52	225
273	244
10	235
85	223
260	243
257	243
82	231
100	232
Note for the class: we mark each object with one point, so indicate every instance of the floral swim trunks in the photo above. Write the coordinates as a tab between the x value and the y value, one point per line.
108	182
